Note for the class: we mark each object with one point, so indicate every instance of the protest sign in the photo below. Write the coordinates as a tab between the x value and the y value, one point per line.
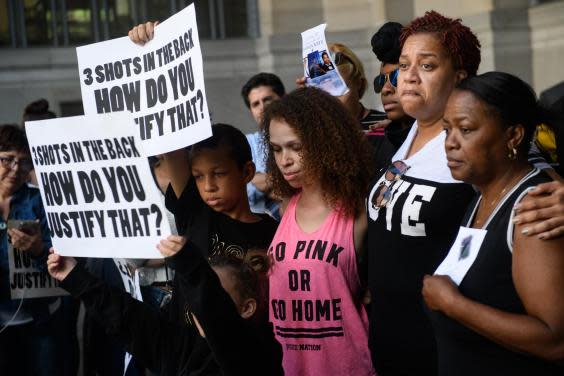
96	186
27	281
160	84
320	68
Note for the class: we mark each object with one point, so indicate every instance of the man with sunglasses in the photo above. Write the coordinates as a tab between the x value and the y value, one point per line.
386	46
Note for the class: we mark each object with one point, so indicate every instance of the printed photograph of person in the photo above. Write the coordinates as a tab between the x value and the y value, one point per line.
327	64
322	73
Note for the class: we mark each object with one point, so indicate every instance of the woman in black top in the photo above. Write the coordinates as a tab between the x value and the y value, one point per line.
508	310
415	206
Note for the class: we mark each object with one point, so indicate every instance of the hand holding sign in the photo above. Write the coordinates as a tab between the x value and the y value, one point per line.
143	33
59	266
171	245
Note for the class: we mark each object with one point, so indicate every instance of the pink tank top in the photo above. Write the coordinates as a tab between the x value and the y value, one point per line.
314	298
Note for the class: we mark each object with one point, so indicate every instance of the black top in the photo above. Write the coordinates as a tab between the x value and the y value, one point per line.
233	346
382	148
213	233
407	239
396	134
489	281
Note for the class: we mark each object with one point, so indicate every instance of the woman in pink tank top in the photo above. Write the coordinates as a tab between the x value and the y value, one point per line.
318	156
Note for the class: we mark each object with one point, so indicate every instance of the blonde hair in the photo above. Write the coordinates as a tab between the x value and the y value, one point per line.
350	68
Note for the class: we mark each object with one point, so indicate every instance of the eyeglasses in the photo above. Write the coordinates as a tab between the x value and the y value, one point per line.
9	162
385	192
381	79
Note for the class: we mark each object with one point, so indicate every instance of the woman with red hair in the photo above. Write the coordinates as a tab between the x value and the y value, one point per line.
415	206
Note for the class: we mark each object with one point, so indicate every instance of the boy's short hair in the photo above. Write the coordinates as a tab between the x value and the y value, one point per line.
262	79
230	138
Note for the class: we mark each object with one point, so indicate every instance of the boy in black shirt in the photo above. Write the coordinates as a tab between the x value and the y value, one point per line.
208	197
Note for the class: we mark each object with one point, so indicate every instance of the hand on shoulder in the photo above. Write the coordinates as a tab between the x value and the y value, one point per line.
541	212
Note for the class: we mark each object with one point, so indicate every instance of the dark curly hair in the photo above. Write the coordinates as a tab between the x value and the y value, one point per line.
262	79
458	40
335	152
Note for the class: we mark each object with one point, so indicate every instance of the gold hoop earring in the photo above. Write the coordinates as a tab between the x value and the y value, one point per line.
512	154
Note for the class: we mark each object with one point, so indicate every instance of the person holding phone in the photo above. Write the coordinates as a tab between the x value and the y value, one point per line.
27	327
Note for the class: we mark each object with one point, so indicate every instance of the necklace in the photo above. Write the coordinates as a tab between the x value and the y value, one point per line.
485	208
489	207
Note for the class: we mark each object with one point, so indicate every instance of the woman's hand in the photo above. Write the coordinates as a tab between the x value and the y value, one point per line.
59	266
545	206
31	243
380	124
143	33
171	245
439	292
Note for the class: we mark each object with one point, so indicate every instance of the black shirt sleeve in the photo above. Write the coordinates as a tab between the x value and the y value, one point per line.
239	346
148	336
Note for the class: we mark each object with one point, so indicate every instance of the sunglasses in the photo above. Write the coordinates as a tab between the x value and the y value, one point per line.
381	79
340	58
385	192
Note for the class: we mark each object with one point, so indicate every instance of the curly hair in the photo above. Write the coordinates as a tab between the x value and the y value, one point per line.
335	152
458	40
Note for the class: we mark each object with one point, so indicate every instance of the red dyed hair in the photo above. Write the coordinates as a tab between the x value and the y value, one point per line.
459	41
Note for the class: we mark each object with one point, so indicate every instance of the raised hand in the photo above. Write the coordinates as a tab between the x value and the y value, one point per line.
143	33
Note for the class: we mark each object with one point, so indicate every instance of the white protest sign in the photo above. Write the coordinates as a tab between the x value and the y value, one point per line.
96	186
26	281
320	69
160	84
462	254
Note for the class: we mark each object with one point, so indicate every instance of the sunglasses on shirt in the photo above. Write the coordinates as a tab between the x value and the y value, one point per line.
385	192
381	79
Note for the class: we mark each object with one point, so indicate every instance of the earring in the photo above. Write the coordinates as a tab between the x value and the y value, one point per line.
512	154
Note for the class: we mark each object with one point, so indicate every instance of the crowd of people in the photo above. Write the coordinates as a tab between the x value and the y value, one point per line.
309	247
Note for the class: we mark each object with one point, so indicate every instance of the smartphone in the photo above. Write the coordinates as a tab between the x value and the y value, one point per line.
29	226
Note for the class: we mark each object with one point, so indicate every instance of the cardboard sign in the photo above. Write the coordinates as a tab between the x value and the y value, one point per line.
160	84
97	188
26	281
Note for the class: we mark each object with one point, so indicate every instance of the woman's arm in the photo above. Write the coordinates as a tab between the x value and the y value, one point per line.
539	279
